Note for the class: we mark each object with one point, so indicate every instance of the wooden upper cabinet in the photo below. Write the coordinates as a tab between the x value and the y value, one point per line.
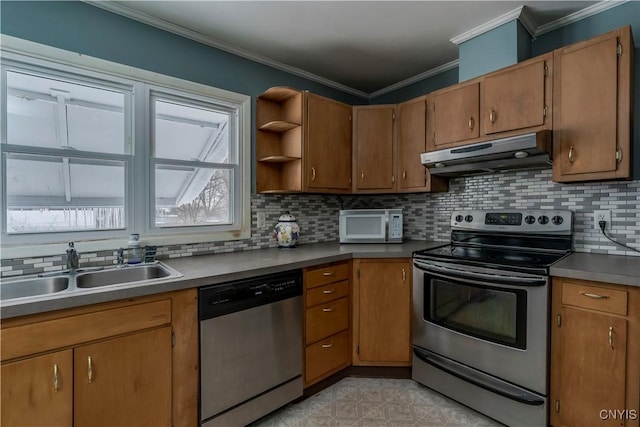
413	128
327	154
592	108
374	137
455	115
516	98
38	391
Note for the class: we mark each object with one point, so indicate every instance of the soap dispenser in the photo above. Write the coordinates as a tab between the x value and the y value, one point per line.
134	249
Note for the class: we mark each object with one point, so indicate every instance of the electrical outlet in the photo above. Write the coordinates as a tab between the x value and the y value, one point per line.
262	220
601	216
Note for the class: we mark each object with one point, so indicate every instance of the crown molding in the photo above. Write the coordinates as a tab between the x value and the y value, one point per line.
577	16
209	41
418	77
488	26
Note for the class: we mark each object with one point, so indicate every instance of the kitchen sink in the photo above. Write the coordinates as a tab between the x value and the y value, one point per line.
32	287
129	274
83	280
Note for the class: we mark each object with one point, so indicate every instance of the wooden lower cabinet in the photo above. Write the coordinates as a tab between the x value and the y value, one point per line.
595	376
124	363
135	366
327	337
38	391
382	312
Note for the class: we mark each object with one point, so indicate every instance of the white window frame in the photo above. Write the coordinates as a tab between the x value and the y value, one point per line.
140	175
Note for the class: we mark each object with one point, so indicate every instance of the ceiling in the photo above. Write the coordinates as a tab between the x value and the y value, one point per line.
363	47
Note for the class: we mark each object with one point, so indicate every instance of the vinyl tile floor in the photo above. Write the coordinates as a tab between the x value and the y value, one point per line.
376	402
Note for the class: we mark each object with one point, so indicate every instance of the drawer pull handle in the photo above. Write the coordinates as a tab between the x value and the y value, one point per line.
56	379
471	123
327	310
313	174
328	291
595	296
328	273
328	345
492	116
611	337
404	275
89	369
571	154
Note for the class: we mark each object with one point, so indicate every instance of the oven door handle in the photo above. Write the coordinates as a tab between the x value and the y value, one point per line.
465	274
479	379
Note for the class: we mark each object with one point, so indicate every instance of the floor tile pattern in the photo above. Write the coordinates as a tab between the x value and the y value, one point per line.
376	402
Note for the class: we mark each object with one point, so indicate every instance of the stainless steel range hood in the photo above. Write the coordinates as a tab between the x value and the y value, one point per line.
530	151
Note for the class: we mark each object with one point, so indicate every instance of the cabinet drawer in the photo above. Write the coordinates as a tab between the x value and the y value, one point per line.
326	319
326	293
595	298
329	274
327	355
48	335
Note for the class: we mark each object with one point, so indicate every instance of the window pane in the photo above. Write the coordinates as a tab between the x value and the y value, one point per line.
190	133
52	113
192	196
49	193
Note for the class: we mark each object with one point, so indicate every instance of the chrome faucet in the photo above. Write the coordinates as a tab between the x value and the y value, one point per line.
72	257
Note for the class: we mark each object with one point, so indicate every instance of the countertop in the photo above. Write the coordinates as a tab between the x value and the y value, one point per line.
219	268
617	269
214	269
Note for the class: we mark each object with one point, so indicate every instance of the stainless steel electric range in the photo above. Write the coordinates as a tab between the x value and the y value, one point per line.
481	311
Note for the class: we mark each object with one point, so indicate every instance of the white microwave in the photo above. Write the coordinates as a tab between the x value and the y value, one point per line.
371	226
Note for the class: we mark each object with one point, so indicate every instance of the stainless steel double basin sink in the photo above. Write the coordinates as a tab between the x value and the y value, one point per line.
85	279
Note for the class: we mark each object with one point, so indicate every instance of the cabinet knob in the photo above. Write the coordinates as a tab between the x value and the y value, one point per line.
313	174
362	177
404	175
56	379
571	154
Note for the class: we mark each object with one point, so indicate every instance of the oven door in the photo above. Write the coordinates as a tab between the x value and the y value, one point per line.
492	320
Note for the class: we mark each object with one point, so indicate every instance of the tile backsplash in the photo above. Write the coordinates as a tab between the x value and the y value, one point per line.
426	216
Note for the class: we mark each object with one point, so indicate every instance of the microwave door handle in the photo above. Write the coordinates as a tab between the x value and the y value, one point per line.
386	226
537	280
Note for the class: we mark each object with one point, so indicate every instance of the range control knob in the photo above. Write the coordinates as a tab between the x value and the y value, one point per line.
459	218
468	218
543	219
530	219
557	220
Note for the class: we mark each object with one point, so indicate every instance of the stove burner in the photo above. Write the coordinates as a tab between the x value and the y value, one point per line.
517	258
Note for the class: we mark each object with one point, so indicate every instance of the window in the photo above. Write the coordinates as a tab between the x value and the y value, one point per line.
93	152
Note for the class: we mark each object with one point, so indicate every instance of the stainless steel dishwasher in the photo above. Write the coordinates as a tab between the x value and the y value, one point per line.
250	348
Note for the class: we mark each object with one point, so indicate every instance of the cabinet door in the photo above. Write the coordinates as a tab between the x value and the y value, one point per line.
374	139
383	313
515	98
124	381
328	144
455	115
38	391
592	109
592	367
411	143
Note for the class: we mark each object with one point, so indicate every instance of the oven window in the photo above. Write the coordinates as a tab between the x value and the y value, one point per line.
495	314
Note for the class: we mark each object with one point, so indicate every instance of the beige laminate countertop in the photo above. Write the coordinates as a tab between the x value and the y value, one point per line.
617	269
214	269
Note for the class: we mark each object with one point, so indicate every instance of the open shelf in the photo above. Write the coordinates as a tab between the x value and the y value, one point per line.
278	159
278	126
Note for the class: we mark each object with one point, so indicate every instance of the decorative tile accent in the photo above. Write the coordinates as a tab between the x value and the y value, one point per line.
376	402
426	216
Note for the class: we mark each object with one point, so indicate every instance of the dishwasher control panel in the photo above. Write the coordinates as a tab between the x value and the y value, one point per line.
225	298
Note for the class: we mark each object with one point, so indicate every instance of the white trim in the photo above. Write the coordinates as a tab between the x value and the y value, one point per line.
418	77
577	16
488	26
46	56
527	20
210	41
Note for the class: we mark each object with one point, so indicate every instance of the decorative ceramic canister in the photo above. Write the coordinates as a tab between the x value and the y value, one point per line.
286	231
